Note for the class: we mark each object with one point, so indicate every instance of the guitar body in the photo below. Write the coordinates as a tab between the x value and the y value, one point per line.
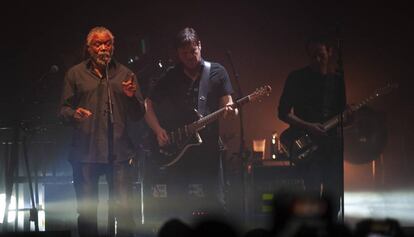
180	141
299	144
170	154
184	134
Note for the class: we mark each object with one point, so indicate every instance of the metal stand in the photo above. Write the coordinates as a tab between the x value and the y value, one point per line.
11	171
340	71
243	153
111	216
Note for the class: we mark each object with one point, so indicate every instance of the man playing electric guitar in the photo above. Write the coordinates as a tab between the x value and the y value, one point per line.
311	96
192	84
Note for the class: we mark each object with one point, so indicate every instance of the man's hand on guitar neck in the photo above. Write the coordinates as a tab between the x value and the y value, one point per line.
230	109
348	115
230	112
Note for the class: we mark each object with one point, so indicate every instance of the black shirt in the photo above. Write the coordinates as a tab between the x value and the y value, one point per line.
83	88
177	94
312	96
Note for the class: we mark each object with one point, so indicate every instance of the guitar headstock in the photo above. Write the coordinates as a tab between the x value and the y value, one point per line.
260	92
378	92
386	89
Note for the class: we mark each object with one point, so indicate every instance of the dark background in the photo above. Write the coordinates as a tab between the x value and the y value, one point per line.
266	40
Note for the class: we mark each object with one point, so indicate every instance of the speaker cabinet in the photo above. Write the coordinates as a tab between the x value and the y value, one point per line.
265	179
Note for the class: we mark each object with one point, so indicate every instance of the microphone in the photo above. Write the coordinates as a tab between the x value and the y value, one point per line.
228	52
53	69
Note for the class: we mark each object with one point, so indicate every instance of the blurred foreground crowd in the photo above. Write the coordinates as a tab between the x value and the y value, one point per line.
294	214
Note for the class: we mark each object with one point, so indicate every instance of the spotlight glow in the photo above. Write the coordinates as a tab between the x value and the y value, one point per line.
12	214
396	204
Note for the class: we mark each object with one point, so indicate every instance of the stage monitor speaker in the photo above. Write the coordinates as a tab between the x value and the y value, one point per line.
265	180
168	196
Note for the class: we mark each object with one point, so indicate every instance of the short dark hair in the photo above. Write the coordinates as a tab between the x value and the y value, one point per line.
186	36
318	39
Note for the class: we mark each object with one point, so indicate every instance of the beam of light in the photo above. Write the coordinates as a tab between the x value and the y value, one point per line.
20	213
21	208
12	206
41	216
396	204
41	208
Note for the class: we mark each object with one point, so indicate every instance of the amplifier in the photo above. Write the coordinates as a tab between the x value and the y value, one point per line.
265	179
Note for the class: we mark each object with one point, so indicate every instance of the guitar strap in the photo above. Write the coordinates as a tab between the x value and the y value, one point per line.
204	88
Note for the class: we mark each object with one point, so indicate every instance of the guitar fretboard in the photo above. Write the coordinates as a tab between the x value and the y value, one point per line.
335	120
202	122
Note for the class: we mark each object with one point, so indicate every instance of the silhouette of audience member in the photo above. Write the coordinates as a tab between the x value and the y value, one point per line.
257	232
175	228
378	228
298	213
295	214
214	226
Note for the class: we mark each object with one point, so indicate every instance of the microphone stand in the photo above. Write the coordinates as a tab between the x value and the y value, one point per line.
34	216
340	71
242	151
10	172
110	116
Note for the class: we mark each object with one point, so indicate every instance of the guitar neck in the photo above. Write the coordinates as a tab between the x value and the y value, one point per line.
331	122
335	120
199	124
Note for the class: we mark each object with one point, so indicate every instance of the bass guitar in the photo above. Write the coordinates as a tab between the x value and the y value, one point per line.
300	144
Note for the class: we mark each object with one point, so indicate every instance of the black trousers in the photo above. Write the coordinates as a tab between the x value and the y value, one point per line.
323	173
119	178
196	184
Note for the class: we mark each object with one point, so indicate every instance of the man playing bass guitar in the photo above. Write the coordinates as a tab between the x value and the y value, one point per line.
311	96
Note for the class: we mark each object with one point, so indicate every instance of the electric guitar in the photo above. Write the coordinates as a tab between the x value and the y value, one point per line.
186	136
301	144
